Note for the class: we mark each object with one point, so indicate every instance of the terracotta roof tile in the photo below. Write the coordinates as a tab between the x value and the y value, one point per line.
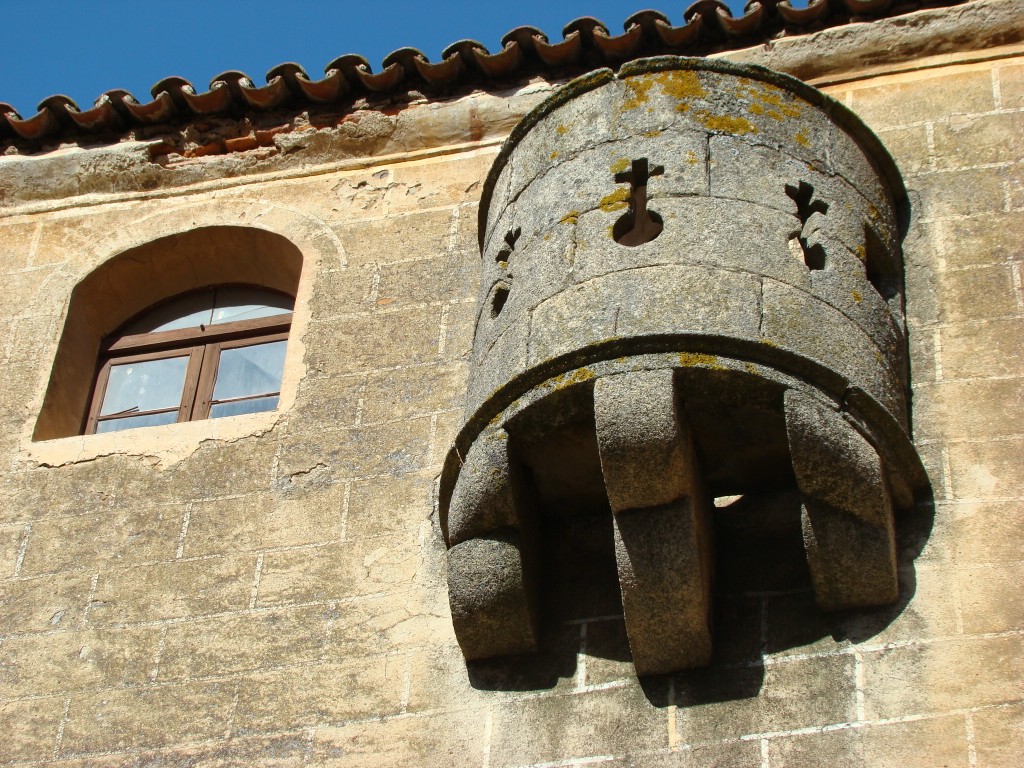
707	27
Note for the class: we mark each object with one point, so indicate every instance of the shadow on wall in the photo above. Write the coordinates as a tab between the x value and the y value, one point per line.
763	604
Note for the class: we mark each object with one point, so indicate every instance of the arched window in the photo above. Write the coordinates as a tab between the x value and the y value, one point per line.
204	354
185	327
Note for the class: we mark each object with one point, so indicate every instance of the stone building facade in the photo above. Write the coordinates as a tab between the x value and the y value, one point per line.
273	588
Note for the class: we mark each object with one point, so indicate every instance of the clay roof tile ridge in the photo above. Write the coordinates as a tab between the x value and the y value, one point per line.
707	26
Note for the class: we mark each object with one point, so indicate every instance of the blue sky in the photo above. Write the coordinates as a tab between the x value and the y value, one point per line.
82	49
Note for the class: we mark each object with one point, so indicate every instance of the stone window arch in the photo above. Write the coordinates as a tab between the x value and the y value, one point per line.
146	277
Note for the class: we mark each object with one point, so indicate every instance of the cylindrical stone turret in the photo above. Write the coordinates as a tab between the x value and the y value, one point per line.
700	263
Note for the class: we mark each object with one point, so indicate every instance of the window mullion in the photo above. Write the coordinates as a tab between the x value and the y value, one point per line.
206	381
190	392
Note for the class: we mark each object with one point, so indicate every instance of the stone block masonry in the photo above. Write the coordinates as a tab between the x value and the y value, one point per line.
272	590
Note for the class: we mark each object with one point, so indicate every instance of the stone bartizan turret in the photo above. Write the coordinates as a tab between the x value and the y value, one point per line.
692	288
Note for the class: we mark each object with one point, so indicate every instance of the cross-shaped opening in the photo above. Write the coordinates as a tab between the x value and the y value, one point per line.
510	245
639	225
806	206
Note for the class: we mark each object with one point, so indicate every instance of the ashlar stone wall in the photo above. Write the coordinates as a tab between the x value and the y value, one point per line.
272	591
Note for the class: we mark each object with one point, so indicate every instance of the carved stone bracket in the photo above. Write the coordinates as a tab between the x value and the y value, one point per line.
491	556
662	516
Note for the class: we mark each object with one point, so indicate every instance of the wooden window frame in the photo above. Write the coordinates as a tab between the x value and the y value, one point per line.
202	344
211	367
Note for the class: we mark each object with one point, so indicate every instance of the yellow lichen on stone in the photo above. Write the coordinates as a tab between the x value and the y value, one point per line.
616	201
554	155
856	296
760	97
802	140
640	87
751	368
701	359
572	217
653	134
562	129
769	343
726	123
691	157
680	84
569	379
861	252
620	165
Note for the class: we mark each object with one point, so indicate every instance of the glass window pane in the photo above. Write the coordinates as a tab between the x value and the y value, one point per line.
236	407
188	311
253	370
146	420
145	386
249	303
